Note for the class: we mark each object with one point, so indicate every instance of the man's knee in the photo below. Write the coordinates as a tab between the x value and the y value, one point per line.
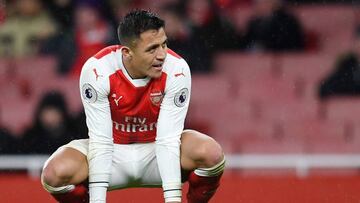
205	151
210	153
66	166
55	174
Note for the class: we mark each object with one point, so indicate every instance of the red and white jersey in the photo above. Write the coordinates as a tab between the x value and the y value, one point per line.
135	103
123	110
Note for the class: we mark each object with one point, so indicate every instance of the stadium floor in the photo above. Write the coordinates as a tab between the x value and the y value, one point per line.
16	188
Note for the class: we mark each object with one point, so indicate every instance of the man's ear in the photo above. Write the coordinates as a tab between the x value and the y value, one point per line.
126	52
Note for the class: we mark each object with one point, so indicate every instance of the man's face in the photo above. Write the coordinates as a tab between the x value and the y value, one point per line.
148	54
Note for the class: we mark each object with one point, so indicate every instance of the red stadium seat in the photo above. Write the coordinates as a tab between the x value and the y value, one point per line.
334	24
38	71
334	145
7	69
69	87
325	137
210	88
239	66
22	84
306	71
343	110
252	76
266	137
16	113
36	66
290	111
209	93
267	89
266	146
17	110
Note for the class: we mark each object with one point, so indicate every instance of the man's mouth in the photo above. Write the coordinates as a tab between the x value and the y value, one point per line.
157	66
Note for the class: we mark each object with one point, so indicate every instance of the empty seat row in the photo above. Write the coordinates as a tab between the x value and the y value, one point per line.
22	84
332	26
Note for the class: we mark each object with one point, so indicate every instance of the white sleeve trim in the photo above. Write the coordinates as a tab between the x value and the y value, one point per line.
97	194
172	192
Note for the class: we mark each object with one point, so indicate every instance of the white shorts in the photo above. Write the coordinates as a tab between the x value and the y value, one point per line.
133	165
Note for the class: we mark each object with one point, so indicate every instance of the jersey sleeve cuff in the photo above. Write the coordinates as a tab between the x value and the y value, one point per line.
172	192
99	179
173	199
97	193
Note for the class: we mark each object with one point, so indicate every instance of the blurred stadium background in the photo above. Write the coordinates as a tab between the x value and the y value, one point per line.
284	142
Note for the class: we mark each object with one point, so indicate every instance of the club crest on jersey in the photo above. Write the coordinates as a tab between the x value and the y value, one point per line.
181	97
156	98
88	93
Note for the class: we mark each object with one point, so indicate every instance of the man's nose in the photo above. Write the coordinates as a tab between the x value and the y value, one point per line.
161	53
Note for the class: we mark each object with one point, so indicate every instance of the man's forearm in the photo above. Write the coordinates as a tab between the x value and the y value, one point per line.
100	160
169	166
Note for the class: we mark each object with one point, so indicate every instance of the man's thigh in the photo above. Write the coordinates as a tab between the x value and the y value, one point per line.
135	165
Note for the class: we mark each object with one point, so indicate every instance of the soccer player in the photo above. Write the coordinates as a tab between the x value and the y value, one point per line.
135	97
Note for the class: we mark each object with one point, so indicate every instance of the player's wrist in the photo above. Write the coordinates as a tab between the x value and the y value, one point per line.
172	200
173	197
172	192
97	193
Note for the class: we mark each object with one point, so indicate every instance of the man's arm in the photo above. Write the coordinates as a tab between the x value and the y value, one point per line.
170	126
94	91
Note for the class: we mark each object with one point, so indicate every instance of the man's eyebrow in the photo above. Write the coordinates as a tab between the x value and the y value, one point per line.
153	46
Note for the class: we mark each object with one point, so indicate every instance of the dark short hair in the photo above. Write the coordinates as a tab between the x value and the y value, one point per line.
137	22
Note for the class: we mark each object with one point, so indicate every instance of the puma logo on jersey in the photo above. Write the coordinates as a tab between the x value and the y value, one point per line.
116	100
96	74
180	74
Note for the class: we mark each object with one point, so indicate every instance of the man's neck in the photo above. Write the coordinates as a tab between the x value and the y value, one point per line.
128	67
